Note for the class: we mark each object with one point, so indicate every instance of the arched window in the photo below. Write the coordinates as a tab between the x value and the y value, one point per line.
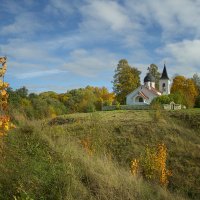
163	87
141	99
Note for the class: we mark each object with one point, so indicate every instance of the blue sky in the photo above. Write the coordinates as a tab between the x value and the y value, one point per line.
64	44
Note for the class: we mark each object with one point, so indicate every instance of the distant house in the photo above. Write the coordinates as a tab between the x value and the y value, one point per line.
145	93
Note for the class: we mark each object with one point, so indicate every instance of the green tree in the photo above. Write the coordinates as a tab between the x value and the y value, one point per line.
126	79
196	79
153	69
49	94
197	102
22	92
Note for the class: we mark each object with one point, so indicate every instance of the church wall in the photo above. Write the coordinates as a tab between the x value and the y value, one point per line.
131	98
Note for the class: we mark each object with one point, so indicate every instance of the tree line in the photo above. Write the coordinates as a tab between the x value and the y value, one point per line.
185	91
50	104
126	78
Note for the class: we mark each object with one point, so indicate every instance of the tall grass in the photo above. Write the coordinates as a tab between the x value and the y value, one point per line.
40	161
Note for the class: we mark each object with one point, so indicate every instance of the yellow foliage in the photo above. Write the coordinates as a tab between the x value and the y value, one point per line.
153	165
160	161
3	85
5	124
3	92
134	167
4	66
187	88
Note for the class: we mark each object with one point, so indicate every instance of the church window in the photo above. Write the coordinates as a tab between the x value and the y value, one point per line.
163	86
141	99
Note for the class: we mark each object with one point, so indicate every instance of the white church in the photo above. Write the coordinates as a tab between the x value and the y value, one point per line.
144	94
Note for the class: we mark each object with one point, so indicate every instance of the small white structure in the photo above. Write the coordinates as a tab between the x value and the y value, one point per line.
172	106
144	94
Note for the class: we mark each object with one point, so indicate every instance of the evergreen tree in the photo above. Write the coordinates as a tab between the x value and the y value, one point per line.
126	79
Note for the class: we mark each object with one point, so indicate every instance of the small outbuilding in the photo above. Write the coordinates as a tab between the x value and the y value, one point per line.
172	106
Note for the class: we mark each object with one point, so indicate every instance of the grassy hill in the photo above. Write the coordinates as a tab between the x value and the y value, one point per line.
87	156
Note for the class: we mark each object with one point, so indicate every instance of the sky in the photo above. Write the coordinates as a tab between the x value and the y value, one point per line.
58	45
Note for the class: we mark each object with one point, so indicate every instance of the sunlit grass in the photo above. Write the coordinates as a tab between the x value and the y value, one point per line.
43	161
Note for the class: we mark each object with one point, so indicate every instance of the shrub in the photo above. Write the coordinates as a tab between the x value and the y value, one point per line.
164	99
153	165
197	102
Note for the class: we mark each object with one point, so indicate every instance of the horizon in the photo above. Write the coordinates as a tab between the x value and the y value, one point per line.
57	45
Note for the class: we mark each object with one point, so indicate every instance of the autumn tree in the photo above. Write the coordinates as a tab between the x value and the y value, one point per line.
104	97
86	99
153	69
5	124
126	79
186	88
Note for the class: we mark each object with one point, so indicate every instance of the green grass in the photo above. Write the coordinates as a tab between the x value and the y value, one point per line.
40	161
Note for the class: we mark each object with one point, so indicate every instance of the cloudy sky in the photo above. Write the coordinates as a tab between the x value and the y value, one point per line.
63	44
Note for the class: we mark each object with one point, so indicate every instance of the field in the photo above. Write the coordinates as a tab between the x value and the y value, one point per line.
88	156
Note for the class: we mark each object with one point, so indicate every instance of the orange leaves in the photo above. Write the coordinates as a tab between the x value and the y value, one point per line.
86	143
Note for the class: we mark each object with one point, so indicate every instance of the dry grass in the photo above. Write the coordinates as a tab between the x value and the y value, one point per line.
49	162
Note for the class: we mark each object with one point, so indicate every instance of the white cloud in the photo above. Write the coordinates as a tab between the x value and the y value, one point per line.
176	18
90	63
24	23
185	52
35	52
40	73
107	14
107	21
57	7
183	56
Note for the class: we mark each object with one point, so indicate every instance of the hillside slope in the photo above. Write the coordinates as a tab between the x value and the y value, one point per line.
87	156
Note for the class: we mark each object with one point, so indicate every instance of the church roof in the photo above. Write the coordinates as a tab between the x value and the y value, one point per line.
144	91
164	73
143	95
149	78
154	91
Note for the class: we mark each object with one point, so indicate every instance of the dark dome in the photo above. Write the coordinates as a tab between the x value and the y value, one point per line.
149	78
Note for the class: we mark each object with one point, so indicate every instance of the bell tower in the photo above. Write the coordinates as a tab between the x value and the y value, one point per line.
164	82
